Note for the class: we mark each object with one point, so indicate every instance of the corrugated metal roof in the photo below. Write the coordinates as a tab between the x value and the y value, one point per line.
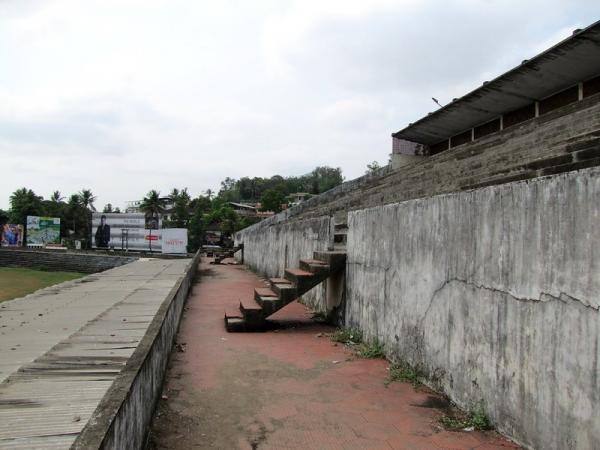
572	60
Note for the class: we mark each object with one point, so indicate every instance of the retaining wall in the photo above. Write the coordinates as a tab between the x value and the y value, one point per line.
123	418
494	293
274	244
61	261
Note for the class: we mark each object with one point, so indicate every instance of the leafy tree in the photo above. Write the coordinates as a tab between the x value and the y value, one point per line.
197	223
180	213
107	208
117	210
229	190
372	167
324	178
271	200
3	217
244	222
76	217
247	189
24	202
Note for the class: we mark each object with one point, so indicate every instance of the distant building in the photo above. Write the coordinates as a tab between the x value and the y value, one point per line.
265	214
297	197
134	206
244	209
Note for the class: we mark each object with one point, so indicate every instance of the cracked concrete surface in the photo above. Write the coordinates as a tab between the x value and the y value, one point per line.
495	291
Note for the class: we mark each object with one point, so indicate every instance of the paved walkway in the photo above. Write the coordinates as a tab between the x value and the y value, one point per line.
289	388
62	347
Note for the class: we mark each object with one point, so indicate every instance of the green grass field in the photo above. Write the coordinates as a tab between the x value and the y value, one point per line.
17	282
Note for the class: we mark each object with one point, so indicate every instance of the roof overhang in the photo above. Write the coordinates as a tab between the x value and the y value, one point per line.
572	60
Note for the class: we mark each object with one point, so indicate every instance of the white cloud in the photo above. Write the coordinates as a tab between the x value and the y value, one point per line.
127	96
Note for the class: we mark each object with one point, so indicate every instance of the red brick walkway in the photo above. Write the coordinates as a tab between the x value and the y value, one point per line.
290	388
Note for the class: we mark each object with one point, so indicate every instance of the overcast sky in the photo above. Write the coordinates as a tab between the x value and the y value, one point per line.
126	96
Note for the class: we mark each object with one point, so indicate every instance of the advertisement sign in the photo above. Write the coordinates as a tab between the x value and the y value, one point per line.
43	230
174	240
124	232
152	222
12	235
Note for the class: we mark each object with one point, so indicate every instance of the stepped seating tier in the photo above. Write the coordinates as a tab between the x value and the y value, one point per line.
560	141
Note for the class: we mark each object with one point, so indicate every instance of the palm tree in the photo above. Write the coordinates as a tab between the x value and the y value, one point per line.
209	193
152	206
87	200
73	207
56	197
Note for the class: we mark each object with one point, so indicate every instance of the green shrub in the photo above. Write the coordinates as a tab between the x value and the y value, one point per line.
373	349
476	419
351	336
405	373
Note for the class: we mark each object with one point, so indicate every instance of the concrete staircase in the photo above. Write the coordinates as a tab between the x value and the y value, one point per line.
253	313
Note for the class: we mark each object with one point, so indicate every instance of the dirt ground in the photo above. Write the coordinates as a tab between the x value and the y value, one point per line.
17	282
291	387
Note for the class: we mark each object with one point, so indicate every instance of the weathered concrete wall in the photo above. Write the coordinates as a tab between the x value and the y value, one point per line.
495	293
59	261
123	418
275	244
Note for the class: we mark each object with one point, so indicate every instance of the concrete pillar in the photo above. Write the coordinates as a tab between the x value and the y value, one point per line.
406	152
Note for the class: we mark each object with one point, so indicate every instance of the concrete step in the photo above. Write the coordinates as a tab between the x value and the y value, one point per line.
584	144
270	305
249	306
264	292
589	153
286	292
234	321
298	275
252	312
279	281
525	175
335	259
548	162
570	167
233	324
314	266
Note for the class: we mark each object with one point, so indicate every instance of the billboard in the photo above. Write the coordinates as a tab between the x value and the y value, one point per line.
124	232
43	230
174	240
12	235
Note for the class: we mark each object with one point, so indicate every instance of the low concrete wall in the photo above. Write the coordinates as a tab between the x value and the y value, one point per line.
56	260
124	416
274	244
495	293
